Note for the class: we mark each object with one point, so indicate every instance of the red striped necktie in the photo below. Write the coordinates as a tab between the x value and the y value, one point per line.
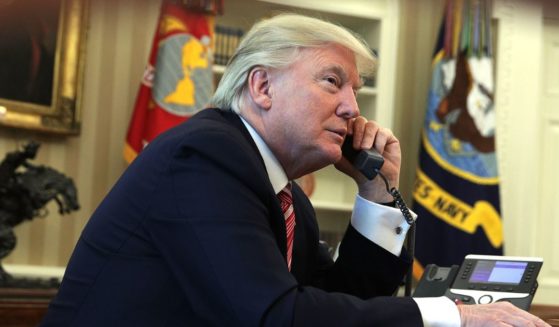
286	201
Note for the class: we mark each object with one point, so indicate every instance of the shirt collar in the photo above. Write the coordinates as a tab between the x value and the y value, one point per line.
278	177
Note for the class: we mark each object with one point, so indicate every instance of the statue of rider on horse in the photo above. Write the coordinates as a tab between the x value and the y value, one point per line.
25	189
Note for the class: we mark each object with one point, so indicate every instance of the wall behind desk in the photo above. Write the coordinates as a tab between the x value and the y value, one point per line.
118	44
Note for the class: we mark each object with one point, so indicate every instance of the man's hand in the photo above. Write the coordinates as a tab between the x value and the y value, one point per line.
366	135
497	314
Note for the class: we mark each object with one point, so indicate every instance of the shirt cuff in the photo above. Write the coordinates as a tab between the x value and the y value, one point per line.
438	312
382	225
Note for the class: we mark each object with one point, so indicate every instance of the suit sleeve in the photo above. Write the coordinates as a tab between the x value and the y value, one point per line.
215	228
363	268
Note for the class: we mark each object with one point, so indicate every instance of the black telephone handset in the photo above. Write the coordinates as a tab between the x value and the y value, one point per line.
368	162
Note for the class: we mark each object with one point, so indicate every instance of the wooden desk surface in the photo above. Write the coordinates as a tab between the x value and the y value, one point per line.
548	313
24	307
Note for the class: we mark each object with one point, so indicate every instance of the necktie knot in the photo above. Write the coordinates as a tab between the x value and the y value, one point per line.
285	197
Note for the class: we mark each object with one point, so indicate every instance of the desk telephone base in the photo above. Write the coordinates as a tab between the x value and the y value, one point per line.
483	279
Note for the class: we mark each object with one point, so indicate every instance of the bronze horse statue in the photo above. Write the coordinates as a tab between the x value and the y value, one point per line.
24	194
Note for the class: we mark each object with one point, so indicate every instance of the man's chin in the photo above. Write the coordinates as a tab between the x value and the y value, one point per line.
325	157
323	163
336	155
331	159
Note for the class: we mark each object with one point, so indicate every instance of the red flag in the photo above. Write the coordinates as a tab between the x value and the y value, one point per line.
178	79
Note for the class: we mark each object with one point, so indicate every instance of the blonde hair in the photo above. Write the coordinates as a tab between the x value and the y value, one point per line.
275	42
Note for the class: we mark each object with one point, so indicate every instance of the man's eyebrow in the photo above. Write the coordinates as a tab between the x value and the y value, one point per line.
338	70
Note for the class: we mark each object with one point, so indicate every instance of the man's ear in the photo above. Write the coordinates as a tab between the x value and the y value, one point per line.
259	87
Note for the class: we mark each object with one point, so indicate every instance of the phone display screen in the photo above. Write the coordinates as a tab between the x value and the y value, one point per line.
498	272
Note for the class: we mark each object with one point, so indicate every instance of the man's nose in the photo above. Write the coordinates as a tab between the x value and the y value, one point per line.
348	107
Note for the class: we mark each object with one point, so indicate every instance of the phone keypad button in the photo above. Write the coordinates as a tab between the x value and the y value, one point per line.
486	299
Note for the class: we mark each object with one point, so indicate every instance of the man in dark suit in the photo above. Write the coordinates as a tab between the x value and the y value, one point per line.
194	234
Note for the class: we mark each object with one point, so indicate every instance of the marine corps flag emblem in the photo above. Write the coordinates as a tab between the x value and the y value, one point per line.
456	192
178	79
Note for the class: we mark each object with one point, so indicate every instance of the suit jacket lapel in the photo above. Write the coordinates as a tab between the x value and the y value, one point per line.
306	235
277	220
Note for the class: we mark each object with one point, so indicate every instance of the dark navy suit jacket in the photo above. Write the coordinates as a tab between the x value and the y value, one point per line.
193	235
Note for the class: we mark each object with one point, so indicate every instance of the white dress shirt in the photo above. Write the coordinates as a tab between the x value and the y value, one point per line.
435	311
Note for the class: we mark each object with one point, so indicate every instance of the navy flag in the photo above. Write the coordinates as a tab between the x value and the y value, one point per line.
456	192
